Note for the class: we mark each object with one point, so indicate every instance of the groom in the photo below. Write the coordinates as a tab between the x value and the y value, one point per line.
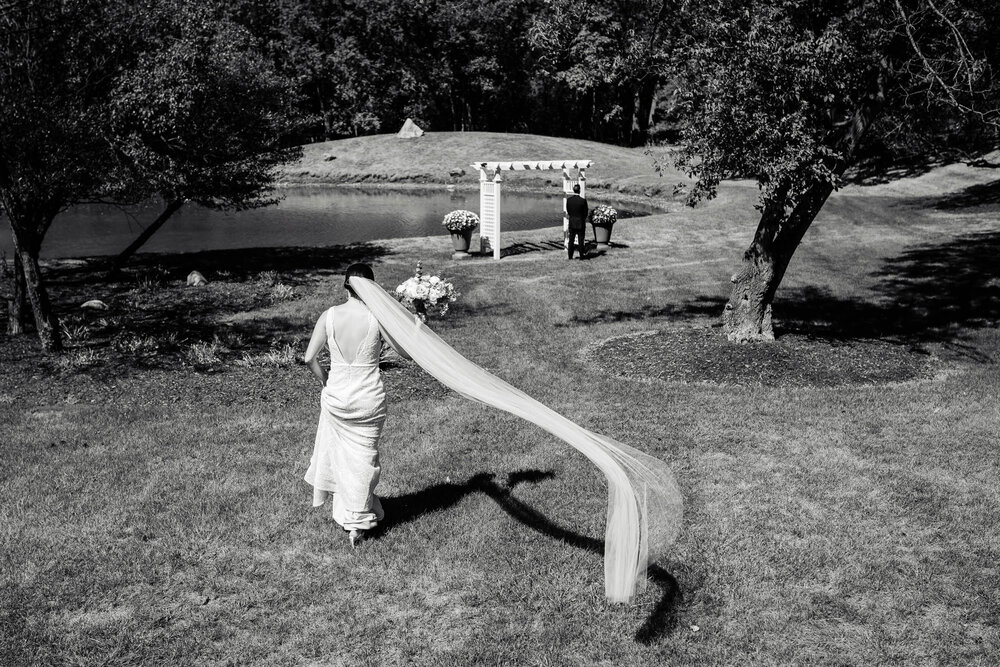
576	211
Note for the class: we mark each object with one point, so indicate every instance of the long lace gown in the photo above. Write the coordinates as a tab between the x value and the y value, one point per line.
345	461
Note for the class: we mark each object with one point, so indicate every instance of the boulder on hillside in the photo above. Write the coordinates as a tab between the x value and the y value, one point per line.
195	279
94	304
409	130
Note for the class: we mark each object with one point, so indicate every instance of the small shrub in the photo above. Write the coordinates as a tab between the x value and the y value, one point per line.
205	354
282	292
268	278
139	346
77	360
231	339
74	334
112	322
279	356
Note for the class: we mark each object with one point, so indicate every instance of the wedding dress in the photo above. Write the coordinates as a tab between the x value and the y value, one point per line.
345	461
644	503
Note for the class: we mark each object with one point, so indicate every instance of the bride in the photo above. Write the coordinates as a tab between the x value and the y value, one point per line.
644	504
345	462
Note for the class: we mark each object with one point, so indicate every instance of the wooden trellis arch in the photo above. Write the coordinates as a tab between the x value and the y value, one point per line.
489	193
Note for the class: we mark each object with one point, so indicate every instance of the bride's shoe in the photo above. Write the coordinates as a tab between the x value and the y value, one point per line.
355	536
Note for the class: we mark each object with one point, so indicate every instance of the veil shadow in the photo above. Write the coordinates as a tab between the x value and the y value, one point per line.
408	507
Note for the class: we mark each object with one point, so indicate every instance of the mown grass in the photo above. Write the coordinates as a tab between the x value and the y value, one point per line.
446	157
152	509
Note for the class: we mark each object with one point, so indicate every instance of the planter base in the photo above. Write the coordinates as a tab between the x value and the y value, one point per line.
460	254
461	240
602	234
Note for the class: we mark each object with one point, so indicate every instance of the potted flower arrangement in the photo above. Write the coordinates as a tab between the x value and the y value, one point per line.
461	224
424	293
602	219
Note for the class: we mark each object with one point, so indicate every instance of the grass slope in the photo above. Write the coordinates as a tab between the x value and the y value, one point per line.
152	509
436	157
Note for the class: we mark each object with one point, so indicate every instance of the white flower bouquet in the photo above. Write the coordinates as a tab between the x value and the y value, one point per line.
423	293
603	216
460	221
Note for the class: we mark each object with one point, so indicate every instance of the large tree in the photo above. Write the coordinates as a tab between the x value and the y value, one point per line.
790	92
202	116
58	63
105	100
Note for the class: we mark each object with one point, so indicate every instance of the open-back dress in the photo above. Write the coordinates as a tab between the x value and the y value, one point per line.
345	463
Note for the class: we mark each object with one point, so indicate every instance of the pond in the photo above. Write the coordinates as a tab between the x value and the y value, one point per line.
310	216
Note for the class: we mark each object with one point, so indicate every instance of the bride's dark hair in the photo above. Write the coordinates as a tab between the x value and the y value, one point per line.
359	269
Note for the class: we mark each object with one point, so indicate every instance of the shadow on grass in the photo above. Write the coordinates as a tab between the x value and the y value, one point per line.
408	507
926	294
700	307
981	194
531	246
590	248
239	263
150	301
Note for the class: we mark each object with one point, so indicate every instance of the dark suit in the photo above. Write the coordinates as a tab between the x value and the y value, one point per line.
576	211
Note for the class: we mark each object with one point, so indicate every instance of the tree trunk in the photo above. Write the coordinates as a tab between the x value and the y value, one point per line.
747	316
17	305
119	262
27	246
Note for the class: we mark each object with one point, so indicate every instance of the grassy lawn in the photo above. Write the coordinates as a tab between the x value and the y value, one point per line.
152	508
438	157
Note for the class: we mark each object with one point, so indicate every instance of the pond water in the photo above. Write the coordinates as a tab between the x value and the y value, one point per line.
312	216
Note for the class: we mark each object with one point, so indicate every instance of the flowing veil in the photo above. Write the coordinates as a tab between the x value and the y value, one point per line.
644	503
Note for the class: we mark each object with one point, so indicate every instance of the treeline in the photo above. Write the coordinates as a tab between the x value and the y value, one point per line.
585	70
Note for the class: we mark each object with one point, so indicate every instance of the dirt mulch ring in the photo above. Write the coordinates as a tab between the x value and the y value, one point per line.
793	360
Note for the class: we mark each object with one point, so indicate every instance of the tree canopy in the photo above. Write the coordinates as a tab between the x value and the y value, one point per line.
793	93
119	100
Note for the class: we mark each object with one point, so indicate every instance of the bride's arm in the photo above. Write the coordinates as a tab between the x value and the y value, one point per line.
316	344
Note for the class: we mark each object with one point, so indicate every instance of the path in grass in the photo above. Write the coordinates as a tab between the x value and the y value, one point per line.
152	509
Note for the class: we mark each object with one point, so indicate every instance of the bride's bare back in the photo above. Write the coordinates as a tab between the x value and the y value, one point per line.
350	328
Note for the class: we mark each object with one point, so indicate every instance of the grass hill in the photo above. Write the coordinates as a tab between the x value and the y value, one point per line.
445	158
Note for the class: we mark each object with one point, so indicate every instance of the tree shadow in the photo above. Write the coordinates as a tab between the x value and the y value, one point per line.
882	166
699	307
927	294
980	194
924	295
409	507
237	264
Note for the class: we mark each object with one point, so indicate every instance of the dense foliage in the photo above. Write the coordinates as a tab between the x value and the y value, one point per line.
121	100
796	93
550	67
792	92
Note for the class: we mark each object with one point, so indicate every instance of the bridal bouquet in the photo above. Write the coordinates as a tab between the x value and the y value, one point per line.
603	215
424	293
460	221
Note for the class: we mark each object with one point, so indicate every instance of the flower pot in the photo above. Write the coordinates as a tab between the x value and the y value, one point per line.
602	234
461	240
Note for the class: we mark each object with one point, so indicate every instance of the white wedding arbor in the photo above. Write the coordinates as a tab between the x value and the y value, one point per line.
489	193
